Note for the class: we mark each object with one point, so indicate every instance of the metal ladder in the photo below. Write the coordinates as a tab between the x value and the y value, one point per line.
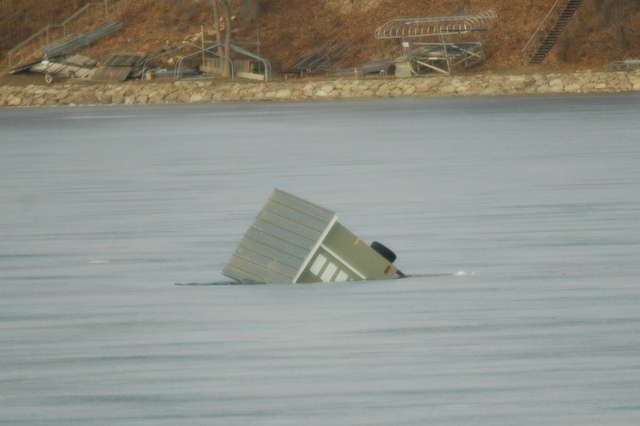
545	37
45	35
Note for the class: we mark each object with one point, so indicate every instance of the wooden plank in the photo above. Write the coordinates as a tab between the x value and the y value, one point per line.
268	265
249	246
294	221
301	205
249	75
277	244
284	234
293	213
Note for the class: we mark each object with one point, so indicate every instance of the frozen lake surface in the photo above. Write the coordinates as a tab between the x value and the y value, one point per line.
518	219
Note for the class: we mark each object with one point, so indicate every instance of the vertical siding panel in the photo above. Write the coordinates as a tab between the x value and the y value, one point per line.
279	240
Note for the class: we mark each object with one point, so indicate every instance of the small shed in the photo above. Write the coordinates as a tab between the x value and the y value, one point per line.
295	241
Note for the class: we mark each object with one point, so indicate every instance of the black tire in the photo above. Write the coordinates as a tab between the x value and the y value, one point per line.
384	251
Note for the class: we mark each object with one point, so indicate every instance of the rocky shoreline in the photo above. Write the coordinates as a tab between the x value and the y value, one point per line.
194	91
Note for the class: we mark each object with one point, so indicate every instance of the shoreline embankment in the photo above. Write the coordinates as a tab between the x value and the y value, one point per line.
195	91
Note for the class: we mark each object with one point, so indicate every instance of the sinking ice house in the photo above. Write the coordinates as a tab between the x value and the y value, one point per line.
294	241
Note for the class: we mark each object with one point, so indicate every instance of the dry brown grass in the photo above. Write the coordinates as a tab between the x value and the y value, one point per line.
350	6
601	31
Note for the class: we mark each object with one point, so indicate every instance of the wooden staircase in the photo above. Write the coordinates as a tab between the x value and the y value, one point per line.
545	37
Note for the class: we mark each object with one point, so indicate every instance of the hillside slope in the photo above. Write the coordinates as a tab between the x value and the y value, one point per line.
601	31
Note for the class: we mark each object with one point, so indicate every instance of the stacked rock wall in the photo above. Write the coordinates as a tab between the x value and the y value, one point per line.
190	91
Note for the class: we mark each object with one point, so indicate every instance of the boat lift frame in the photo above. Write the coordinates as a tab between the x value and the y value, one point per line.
200	50
444	55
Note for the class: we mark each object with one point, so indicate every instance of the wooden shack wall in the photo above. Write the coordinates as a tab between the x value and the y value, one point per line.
279	240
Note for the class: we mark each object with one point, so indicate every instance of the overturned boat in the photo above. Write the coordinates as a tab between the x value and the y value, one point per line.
295	241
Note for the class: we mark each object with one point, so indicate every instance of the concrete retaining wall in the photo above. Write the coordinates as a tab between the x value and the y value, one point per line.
189	91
